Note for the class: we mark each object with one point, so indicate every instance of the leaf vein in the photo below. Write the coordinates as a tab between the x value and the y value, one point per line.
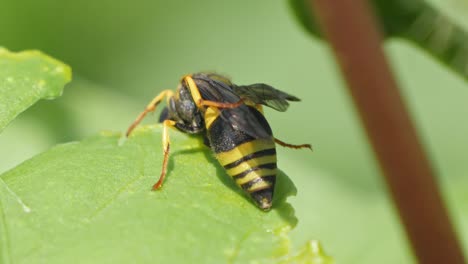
6	248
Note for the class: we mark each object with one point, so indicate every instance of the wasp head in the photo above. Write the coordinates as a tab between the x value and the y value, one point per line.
183	110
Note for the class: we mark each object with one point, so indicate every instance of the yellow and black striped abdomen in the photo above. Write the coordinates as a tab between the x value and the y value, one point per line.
253	167
250	161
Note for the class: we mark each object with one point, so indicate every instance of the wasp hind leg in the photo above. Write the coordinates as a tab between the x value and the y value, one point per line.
284	144
166	148
149	108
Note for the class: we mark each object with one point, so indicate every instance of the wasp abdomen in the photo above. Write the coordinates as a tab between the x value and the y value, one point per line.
253	167
250	161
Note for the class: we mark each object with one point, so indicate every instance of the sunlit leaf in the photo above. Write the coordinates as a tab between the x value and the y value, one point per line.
26	77
91	202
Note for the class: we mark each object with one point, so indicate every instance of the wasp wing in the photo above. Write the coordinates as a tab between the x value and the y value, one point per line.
215	87
260	93
248	120
243	118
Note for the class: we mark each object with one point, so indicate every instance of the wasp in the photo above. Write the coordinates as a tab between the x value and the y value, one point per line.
230	118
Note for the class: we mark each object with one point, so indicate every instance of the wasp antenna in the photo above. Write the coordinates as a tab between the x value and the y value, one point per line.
149	108
136	122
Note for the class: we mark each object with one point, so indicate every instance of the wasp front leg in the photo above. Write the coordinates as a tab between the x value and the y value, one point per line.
149	108
287	145
166	148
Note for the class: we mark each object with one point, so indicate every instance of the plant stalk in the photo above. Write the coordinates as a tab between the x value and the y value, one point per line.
350	27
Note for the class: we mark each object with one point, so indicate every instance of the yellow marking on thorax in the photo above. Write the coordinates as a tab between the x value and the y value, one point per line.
244	150
259	108
211	114
251	163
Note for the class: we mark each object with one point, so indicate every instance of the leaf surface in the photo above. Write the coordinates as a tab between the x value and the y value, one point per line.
91	202
25	78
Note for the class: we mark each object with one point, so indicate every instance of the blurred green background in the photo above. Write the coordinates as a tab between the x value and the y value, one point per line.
124	52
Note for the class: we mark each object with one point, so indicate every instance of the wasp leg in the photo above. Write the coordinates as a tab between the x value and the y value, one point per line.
284	144
199	100
166	147
219	104
149	108
193	88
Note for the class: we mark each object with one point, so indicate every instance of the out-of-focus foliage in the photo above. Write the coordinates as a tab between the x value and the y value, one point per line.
126	52
25	78
418	21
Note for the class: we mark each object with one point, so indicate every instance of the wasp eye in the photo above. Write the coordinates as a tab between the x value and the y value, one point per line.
164	115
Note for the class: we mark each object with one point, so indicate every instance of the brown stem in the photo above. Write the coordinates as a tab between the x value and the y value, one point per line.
356	41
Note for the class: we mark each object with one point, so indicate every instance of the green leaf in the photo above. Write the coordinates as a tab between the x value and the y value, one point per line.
26	77
91	202
311	253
